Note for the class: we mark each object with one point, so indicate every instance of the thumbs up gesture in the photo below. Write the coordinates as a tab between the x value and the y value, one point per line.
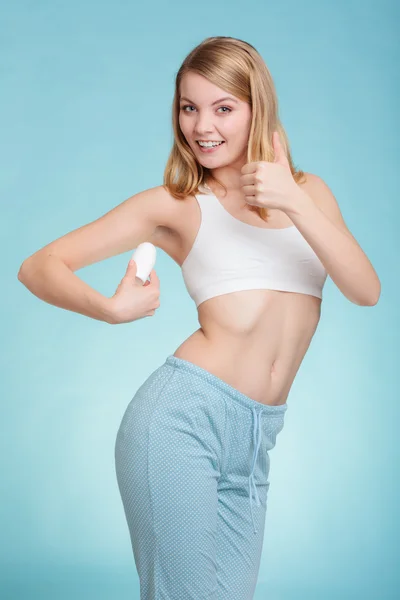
270	184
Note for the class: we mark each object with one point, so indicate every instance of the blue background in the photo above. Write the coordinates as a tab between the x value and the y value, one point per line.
86	94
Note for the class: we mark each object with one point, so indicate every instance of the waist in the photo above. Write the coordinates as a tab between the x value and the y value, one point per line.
249	367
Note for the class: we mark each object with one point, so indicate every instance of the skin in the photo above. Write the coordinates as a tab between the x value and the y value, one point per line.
255	340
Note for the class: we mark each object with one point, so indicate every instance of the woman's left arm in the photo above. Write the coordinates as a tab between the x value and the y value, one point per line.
316	214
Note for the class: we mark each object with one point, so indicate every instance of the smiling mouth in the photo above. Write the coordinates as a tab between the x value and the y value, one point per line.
212	147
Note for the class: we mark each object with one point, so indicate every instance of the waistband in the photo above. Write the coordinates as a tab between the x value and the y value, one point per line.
233	393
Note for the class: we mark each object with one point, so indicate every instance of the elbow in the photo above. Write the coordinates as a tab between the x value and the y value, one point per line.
377	294
374	301
21	272
24	269
373	298
371	302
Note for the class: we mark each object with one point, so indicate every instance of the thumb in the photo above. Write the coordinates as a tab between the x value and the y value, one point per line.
132	267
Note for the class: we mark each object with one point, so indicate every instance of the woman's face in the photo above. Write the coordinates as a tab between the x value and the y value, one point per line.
202	116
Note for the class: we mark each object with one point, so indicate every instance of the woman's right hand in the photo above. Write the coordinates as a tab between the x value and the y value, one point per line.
133	300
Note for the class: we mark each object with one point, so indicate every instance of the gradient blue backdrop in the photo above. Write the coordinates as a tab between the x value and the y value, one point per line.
86	93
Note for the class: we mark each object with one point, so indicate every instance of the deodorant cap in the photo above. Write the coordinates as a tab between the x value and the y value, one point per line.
145	259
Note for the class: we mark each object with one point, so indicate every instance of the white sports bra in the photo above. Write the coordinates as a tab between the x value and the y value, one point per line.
229	255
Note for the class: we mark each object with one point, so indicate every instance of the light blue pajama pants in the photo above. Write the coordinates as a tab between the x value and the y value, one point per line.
192	466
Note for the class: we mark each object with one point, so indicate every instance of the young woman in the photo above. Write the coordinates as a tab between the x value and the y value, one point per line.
255	239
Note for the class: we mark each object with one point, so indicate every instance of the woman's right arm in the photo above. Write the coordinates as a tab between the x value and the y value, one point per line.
49	272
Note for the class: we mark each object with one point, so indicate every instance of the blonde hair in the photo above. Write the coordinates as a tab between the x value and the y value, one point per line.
237	67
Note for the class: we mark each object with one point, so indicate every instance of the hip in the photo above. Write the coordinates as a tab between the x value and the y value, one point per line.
184	408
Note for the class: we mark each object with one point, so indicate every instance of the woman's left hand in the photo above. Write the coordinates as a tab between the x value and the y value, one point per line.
270	184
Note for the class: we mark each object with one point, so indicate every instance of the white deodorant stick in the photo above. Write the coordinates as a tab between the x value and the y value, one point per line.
145	259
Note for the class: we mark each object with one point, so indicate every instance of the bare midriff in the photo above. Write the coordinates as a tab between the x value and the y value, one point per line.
254	340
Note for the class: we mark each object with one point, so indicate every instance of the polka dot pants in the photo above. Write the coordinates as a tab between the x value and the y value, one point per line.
192	465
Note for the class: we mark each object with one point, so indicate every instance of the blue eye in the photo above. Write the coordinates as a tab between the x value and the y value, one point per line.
190	106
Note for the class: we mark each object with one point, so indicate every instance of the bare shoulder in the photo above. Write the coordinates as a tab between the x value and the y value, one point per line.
157	203
322	195
319	191
312	185
170	213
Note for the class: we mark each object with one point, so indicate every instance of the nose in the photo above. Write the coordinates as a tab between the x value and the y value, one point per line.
203	128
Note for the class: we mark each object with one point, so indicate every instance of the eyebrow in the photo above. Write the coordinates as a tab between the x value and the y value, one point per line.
216	102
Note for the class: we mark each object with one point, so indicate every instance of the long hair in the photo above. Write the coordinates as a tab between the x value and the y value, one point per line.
237	67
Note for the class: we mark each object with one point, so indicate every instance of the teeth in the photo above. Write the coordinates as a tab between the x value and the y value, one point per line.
209	144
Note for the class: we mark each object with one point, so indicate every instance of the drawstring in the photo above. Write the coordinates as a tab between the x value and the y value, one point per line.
256	442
